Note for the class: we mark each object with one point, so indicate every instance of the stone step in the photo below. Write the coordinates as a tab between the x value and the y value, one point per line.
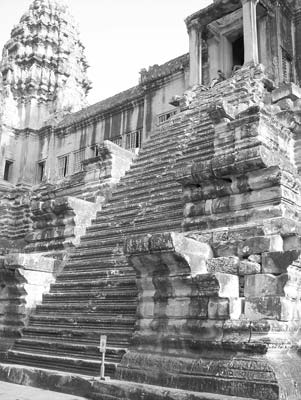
93	265
83	365
156	195
152	185
145	174
106	272
122	206
116	337
81	385
103	322
96	293
106	294
92	255
140	171
123	225
173	223
70	310
76	286
112	281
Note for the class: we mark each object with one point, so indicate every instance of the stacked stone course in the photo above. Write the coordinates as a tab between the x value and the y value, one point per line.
191	264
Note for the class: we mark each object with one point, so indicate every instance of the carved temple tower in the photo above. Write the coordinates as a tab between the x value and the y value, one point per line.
43	71
43	65
187	254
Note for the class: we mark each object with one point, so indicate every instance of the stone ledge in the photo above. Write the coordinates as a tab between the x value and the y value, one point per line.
32	262
287	91
94	389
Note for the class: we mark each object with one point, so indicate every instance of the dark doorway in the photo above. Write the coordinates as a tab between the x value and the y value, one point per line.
7	170
238	51
41	170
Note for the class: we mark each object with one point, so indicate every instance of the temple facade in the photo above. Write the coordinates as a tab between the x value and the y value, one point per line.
47	128
165	218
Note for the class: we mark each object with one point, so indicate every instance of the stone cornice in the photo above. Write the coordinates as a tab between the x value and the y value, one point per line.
213	12
159	71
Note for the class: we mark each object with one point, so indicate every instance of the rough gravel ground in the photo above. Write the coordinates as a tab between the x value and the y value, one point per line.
9	391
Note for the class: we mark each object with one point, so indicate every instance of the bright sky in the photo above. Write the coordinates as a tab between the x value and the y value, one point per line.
120	36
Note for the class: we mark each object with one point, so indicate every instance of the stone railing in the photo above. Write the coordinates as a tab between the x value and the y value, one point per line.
24	280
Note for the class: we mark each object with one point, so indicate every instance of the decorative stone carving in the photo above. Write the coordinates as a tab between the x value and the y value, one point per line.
24	280
43	64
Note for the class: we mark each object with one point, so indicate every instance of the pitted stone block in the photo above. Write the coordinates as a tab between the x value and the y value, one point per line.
195	253
248	267
278	262
264	285
223	264
286	91
271	307
260	244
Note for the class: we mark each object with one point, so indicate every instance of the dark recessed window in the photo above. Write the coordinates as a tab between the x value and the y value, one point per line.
238	50
63	164
8	170
41	170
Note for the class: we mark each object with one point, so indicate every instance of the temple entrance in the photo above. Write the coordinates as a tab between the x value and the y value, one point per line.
238	51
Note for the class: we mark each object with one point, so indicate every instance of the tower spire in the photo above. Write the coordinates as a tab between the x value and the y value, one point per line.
43	64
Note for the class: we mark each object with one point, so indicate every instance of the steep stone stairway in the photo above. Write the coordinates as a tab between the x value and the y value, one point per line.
96	292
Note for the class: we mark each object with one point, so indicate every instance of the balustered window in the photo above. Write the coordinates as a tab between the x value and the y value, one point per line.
166	116
78	157
286	66
133	139
117	140
63	166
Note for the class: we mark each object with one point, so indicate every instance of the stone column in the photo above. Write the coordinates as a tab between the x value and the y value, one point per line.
250	31
195	53
298	40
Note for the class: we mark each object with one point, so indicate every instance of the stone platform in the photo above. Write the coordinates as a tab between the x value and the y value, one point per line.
94	389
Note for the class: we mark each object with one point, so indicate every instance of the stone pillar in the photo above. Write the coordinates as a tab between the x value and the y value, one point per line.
214	56
298	40
195	53
250	31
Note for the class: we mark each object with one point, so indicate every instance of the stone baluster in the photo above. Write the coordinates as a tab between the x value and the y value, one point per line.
250	31
195	53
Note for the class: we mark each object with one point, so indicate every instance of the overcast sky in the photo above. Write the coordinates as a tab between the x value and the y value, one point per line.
120	36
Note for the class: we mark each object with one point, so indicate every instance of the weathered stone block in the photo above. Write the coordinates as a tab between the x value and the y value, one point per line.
292	288
256	258
260	244
273	307
229	285
236	307
218	308
263	285
292	242
278	262
210	330
227	265
225	249
248	267
224	308
34	262
286	91
192	251
236	330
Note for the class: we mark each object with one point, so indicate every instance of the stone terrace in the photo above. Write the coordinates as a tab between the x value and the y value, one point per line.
96	293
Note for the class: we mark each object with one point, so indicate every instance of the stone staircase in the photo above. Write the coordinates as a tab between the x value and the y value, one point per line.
96	292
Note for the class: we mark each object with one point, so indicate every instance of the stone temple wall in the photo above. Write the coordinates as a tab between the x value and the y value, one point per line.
219	304
205	225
